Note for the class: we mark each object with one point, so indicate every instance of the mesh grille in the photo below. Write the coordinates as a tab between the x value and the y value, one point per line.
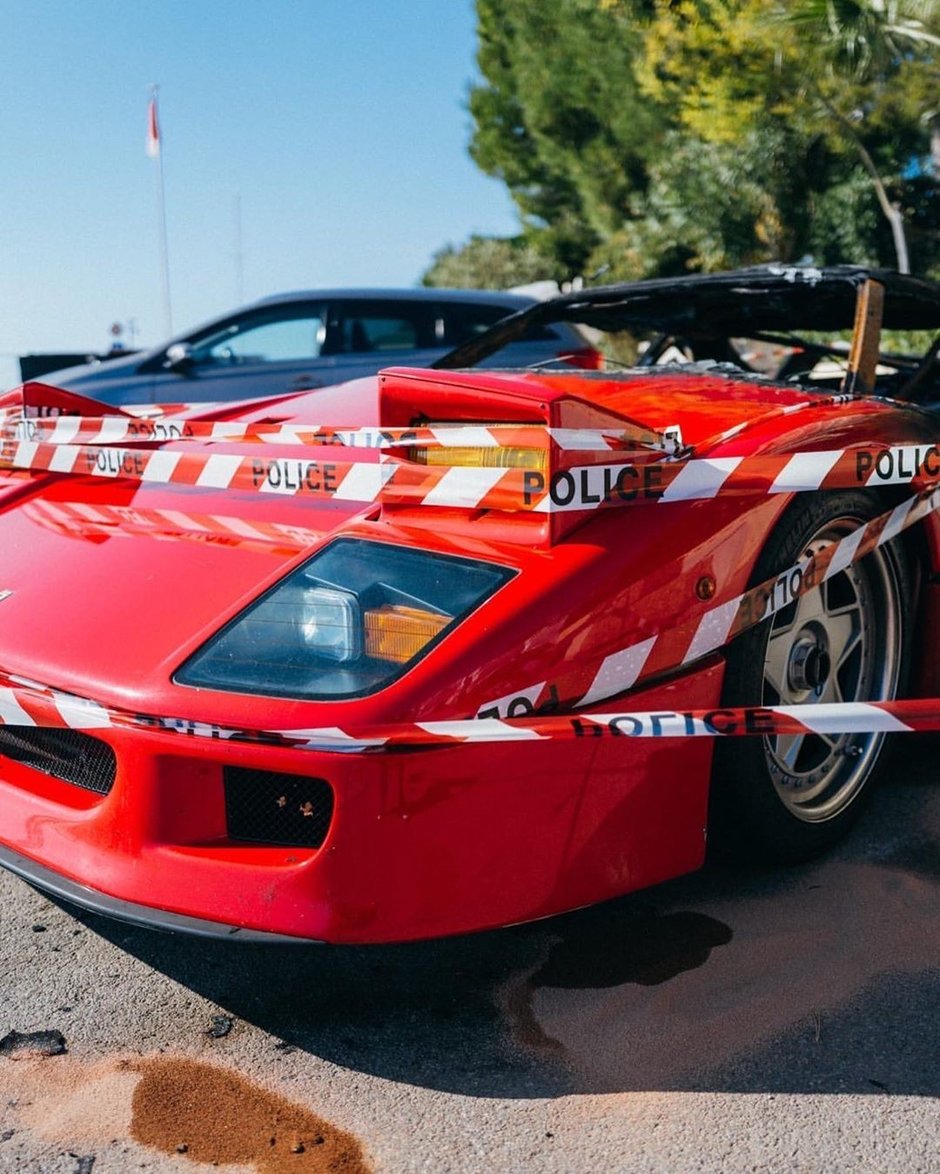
264	807
68	755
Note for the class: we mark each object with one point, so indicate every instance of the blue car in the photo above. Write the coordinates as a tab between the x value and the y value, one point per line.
295	341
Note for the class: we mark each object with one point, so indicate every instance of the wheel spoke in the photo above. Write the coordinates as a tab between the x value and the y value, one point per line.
775	663
810	606
850	645
844	633
845	609
788	749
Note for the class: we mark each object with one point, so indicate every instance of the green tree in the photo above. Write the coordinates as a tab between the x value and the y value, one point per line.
655	136
874	81
851	83
560	119
487	263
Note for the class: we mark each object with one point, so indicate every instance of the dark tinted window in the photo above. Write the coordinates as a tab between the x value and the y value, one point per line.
378	326
463	321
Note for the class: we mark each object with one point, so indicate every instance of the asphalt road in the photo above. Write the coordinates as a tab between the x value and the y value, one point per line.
729	1021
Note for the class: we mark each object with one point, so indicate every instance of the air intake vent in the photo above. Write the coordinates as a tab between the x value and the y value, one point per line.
264	807
68	755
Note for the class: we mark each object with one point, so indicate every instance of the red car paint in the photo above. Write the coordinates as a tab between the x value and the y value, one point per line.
420	843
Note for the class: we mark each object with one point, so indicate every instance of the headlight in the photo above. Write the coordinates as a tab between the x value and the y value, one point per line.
344	624
330	623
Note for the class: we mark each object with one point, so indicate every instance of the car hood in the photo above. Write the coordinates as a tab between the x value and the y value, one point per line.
106	585
91	574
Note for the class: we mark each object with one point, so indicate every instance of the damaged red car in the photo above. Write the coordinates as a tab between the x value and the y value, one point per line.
428	652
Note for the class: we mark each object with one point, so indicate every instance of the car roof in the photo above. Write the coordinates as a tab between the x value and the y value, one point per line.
738	303
412	294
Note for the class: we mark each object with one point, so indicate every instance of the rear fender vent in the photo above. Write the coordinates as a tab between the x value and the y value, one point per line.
68	755
266	807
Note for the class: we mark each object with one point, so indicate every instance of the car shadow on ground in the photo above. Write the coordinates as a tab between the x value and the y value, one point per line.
821	979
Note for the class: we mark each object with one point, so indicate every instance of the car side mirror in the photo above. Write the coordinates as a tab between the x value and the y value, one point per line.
179	355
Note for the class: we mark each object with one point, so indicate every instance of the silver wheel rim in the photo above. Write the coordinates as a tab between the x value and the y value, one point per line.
839	642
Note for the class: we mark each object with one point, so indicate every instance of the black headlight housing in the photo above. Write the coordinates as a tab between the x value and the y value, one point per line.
346	623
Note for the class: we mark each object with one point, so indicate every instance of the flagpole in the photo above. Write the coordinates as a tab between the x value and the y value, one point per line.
155	150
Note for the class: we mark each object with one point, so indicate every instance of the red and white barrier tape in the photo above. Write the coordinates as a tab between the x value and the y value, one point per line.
25	703
28	703
113	430
160	423
584	487
713	628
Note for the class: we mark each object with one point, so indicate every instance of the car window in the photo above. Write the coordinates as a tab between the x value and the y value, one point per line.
266	340
459	322
359	327
379	334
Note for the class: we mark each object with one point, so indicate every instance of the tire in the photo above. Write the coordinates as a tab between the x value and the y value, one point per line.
788	798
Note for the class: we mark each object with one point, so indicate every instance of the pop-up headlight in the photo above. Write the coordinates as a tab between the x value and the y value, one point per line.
344	624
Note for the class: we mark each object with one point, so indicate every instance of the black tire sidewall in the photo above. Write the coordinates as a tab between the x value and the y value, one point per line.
747	818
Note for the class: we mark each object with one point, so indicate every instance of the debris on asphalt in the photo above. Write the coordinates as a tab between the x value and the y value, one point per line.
30	1045
221	1026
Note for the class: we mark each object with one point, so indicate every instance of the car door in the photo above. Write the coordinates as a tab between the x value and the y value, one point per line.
270	350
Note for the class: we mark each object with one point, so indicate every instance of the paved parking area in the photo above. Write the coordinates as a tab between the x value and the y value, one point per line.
728	1021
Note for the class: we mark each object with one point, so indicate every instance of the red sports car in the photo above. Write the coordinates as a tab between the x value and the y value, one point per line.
449	649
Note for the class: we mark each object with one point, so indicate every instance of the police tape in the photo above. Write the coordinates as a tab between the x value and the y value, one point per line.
161	423
828	720
711	629
480	487
114	430
27	704
618	671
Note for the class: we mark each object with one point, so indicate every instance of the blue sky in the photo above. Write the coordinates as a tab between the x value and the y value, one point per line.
339	127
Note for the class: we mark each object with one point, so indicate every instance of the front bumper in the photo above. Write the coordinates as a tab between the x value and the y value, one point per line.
160	919
419	844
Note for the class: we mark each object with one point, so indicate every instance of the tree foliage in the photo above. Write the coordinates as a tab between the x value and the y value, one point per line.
487	262
561	120
646	137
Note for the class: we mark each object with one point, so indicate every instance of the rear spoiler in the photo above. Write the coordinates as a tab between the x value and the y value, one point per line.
549	461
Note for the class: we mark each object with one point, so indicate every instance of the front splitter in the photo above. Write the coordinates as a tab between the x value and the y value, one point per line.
127	911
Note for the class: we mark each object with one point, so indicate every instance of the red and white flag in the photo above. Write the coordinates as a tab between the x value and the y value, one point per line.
153	129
